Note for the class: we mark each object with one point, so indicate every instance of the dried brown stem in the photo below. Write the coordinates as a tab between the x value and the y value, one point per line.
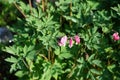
30	5
53	57
70	22
19	10
49	54
41	55
43	5
25	63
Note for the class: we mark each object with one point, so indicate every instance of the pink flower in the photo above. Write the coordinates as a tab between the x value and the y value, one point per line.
70	42
116	36
77	39
62	41
38	1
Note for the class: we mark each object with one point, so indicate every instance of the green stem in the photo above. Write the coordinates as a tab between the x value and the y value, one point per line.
25	64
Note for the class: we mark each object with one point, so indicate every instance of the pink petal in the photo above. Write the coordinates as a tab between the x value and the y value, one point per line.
70	42
62	41
77	39
116	36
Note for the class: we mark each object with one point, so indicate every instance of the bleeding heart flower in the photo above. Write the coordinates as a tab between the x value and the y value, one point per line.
70	42
62	41
77	39
116	36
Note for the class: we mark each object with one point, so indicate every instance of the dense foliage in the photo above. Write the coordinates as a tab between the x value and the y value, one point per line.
45	45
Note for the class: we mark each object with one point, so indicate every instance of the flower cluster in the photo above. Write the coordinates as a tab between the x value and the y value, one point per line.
63	40
116	36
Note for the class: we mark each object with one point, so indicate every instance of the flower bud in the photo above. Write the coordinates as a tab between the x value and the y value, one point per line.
70	42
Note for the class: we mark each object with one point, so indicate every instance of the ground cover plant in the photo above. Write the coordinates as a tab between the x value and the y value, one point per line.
65	39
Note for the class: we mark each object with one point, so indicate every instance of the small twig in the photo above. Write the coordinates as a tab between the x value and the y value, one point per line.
70	74
25	63
43	5
70	22
30	5
53	57
49	53
61	20
41	55
19	10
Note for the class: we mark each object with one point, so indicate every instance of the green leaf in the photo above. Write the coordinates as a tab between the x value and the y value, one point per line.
97	62
73	19
12	59
29	52
63	49
109	50
25	49
47	75
105	29
92	76
81	60
57	51
13	68
10	50
111	67
94	71
12	1
93	4
91	58
31	55
65	55
20	73
55	76
56	69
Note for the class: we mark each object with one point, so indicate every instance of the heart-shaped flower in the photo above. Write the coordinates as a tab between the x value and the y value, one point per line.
70	42
116	36
62	41
77	39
